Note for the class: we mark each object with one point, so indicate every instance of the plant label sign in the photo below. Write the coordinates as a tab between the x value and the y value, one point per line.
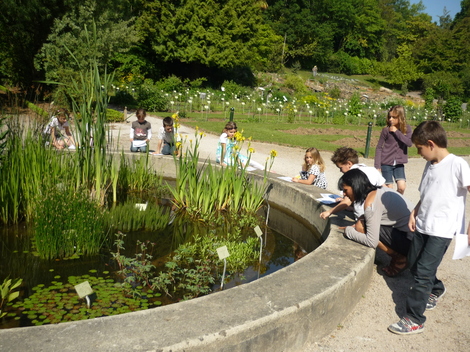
141	206
83	289
223	252
258	231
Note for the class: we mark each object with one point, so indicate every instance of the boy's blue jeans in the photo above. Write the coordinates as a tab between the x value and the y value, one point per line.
425	255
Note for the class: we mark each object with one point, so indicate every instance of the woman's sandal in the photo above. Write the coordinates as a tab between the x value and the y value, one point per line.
398	264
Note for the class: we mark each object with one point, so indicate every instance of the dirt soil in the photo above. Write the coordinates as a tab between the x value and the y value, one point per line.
455	139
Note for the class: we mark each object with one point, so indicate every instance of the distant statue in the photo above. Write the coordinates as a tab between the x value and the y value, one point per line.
314	71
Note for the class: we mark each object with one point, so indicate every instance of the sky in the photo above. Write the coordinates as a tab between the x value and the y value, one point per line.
435	8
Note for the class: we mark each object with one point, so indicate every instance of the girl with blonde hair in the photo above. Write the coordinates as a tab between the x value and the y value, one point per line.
313	170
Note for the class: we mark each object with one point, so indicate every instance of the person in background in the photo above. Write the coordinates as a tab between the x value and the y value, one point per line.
438	216
226	153
313	170
347	159
391	153
385	221
141	132
166	137
59	130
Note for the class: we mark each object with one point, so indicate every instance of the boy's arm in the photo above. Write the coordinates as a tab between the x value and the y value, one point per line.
346	202
412	221
159	146
131	134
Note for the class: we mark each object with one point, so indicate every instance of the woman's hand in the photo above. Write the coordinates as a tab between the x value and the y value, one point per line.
325	215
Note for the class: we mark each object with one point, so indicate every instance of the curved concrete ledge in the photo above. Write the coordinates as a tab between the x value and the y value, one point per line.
281	312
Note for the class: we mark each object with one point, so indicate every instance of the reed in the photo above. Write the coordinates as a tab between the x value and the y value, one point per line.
68	222
205	191
127	218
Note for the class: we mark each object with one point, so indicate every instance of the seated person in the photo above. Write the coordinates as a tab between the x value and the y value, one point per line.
166	138
59	130
141	132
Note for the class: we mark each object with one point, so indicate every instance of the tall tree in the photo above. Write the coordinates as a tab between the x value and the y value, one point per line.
217	34
25	26
90	33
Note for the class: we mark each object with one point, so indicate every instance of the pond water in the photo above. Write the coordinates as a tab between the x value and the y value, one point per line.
19	261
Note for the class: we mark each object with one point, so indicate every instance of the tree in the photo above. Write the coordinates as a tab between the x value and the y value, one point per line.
24	27
403	70
217	34
70	48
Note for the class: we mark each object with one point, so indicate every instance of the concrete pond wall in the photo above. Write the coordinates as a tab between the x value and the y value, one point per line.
284	311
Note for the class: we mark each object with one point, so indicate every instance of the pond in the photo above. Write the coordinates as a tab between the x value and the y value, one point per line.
20	261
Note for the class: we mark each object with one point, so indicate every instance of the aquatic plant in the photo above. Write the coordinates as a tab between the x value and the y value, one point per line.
59	302
138	270
204	191
67	222
7	294
194	267
126	217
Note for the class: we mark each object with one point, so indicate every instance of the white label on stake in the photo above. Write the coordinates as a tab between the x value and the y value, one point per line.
258	231
83	289
223	252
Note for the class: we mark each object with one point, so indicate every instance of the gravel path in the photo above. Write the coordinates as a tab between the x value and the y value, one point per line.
365	329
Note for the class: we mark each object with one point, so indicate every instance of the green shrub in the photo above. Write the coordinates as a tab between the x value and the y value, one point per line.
114	115
335	92
233	89
355	105
453	109
171	84
123	98
296	83
151	98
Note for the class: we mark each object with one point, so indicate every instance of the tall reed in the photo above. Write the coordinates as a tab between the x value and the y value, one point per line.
68	223
204	191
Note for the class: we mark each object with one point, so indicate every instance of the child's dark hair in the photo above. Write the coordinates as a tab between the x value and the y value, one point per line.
167	121
344	154
359	183
140	114
62	111
430	131
230	126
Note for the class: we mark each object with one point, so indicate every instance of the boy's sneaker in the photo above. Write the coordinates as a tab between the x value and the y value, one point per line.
405	326
432	300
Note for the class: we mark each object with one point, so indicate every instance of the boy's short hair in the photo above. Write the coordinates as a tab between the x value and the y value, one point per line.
343	155
167	121
430	131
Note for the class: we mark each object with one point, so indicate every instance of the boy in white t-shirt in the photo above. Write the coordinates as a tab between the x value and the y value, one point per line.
346	159
167	138
438	216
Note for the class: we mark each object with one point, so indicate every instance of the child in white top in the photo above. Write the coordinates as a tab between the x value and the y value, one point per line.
59	130
438	216
167	138
141	132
